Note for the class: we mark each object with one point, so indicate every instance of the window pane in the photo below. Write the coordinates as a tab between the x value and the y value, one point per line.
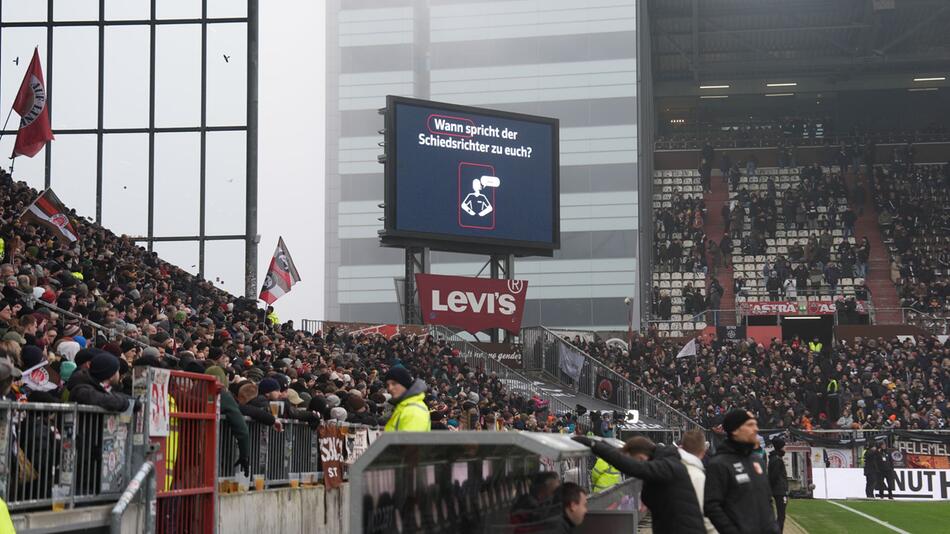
23	11
176	184
224	265
184	254
73	174
127	9
227	8
85	10
126	77
227	80
76	60
178	9
125	183
178	75
225	180
17	52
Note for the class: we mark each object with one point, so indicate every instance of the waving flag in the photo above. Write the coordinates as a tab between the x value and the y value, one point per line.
281	275
31	106
48	211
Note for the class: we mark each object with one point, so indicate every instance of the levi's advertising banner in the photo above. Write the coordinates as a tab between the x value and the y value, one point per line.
473	304
474	174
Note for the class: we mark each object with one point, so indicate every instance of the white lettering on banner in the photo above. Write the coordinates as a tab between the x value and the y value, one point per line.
922	447
916	484
158	403
462	301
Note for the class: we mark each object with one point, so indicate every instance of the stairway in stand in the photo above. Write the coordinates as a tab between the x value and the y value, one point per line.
715	228
883	291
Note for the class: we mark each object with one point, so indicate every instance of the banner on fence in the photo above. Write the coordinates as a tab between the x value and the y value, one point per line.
608	389
332	442
158	402
114	438
921	454
572	361
506	353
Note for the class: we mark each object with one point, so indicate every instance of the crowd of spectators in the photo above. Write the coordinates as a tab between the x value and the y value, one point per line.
865	384
153	313
914	217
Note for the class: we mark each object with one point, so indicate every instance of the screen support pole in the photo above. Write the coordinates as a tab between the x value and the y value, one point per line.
502	267
417	262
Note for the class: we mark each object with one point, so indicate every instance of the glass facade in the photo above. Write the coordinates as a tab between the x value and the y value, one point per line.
574	60
148	102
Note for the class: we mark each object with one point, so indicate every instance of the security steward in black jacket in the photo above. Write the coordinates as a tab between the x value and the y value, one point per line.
738	494
667	489
778	480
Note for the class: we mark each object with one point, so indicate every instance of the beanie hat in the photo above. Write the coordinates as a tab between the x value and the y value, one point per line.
400	375
218	373
31	356
778	443
734	419
338	414
83	356
355	404
268	385
332	401
103	366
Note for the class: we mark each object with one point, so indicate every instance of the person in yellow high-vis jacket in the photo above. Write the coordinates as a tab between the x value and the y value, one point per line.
6	524
411	413
171	445
604	476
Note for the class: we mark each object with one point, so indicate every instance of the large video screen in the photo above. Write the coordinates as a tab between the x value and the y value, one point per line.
470	180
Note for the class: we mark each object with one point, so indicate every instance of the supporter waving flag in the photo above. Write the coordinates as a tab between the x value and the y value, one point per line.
281	275
31	105
48	211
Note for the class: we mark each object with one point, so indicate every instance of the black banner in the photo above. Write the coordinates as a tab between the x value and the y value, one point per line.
731	333
607	389
507	353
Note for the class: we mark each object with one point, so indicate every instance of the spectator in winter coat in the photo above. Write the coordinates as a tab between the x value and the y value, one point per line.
95	386
692	451
778	480
667	489
737	488
235	420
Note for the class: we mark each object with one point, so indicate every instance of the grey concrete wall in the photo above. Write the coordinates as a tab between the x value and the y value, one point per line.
87	520
286	510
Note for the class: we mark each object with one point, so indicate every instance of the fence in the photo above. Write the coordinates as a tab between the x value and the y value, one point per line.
61	455
542	352
278	456
514	380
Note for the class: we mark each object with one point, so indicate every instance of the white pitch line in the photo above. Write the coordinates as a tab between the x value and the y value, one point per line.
871	517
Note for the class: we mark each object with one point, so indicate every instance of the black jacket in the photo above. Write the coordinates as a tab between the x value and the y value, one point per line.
737	492
667	488
85	390
778	476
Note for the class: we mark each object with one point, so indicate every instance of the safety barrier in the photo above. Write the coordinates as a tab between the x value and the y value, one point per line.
542	352
514	380
61	455
186	475
278	456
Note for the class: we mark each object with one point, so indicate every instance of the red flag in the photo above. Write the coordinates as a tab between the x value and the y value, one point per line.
48	211
30	105
281	275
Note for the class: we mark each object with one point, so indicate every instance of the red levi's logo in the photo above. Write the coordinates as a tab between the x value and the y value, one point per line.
470	303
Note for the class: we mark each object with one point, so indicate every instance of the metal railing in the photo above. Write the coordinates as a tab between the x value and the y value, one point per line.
275	454
144	481
769	138
515	381
710	317
542	353
61	455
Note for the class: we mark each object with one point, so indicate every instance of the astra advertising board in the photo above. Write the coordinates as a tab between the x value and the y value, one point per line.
819	307
471	303
470	179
